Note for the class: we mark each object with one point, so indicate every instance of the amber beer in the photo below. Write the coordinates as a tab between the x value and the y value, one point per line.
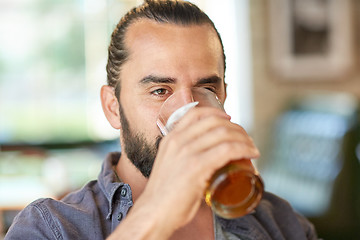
235	189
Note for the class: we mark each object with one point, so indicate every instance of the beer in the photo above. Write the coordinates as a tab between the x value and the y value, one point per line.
234	190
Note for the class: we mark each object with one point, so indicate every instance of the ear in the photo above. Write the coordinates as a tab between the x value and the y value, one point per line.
226	85
110	106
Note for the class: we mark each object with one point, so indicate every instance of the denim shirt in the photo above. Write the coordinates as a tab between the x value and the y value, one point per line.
97	209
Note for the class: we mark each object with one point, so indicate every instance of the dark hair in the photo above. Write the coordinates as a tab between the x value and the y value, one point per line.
163	11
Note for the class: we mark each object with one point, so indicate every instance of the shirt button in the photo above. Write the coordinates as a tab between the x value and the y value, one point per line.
123	192
119	216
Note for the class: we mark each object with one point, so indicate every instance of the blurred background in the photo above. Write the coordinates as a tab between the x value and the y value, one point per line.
294	84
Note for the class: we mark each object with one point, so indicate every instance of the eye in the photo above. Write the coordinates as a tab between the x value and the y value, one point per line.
211	89
160	92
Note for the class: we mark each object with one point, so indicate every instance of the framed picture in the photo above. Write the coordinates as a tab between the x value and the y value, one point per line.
311	39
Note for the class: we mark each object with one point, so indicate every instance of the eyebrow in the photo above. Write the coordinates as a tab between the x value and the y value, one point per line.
209	80
155	79
168	80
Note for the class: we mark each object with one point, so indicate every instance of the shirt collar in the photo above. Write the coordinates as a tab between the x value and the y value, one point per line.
108	180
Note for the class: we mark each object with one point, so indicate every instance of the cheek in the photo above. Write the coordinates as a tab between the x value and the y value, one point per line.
145	116
152	113
141	112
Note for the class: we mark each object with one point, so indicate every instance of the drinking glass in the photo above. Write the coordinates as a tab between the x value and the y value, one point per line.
235	189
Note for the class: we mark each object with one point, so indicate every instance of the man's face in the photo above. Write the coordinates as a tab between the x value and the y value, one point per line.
163	58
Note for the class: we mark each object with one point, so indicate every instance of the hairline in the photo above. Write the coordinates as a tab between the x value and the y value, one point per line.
117	86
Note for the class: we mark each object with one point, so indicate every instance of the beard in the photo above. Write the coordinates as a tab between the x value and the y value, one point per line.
140	152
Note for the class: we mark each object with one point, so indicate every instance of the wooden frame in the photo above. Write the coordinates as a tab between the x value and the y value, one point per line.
311	39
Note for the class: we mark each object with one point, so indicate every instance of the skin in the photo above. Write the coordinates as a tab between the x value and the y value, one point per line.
175	57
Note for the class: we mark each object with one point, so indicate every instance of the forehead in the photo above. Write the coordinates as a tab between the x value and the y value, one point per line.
151	30
149	40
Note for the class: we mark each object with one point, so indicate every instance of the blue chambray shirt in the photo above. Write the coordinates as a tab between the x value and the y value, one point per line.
94	211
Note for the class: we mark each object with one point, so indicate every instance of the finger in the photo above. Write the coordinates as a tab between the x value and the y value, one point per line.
196	114
211	130
218	156
199	123
222	134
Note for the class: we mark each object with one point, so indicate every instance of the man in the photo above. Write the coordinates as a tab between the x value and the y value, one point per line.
153	189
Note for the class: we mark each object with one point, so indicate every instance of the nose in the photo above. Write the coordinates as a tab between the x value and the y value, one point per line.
185	96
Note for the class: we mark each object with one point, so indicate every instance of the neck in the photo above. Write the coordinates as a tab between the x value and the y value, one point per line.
129	174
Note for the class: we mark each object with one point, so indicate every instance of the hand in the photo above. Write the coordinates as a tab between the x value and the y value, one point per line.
202	142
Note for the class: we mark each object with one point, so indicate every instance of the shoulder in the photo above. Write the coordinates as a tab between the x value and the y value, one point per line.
274	218
35	222
277	208
89	192
273	203
85	198
277	215
77	214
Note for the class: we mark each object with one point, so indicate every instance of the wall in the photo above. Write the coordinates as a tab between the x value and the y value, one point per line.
271	93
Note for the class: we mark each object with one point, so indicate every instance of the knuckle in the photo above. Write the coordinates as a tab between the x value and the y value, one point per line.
226	148
193	115
223	130
171	141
